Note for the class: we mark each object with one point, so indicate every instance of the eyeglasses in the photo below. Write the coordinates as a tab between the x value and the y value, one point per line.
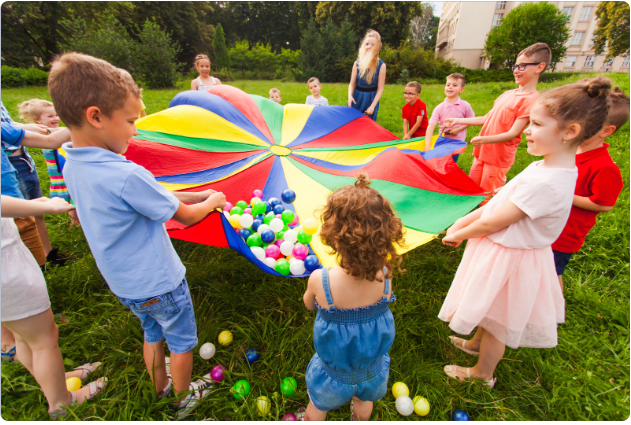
411	94
523	66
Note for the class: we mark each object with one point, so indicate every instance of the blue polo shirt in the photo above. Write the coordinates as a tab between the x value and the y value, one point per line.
11	137
122	210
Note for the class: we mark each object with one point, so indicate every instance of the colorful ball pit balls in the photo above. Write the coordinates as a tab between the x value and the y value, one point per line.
399	389
289	417
73	384
267	236
255	224
234	220
278	242
207	351
282	267
225	338
268	207
272	251
288	386
241	204
258	252
273	202
297	267
263	227
404	405
311	262
259	217
296	221
263	405
276	225
300	251
459	415
290	236
421	405
257	193
287	216
303	237
310	226
246	220
252	356
245	234
228	206
278	209
259	208
270	262
288	196
254	200
236	210
254	240
280	235
217	373
286	247
269	217
241	389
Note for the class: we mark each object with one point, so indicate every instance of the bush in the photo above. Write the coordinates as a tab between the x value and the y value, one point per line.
18	77
11	77
156	57
35	77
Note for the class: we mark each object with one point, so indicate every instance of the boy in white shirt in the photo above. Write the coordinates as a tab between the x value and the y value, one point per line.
315	98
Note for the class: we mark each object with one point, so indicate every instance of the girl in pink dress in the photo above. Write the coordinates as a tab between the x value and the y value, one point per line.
506	283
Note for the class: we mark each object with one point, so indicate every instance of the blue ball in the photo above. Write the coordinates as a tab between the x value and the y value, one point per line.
278	209
459	415
259	217
256	224
268	207
252	356
311	262
273	202
268	236
288	196
244	233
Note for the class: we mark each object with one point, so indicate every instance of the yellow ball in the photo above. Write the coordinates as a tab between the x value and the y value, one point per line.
399	389
421	405
263	405
234	220
225	338
73	384
310	226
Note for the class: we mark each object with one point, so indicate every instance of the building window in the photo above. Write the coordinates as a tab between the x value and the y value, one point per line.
570	62
625	62
567	11
585	13
500	5
497	19
607	63
589	61
593	40
578	38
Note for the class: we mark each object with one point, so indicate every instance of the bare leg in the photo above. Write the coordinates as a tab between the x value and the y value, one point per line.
491	352
8	340
561	282
156	366
43	233
363	409
313	414
74	219
181	371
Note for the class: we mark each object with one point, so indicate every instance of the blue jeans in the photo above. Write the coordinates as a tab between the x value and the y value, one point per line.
168	316
27	176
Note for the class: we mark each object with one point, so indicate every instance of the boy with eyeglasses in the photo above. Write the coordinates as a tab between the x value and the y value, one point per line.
414	112
496	145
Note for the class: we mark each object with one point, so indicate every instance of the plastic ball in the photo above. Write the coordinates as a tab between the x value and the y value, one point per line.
282	267
246	220
311	262
267	236
310	226
273	202
278	209
225	338
241	389
263	405
399	389
234	220
300	251
259	208
404	405
254	240
459	415
226	214
247	211
268	207
297	267
245	233
288	196
241	204
291	260
259	217
278	242
280	235
421	405
272	251
73	384
236	210
207	351
256	224
254	201
258	252
287	216
269	217
286	248
270	262
257	194
263	227
252	356
296	221
228	206
276	225
288	386
290	236
289	417
303	238
217	373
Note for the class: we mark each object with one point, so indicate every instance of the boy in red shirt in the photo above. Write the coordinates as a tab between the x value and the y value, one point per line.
598	186
414	112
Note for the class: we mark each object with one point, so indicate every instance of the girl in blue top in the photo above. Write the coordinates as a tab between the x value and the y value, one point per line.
368	77
354	328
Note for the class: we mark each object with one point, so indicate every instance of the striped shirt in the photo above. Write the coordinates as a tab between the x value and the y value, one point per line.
322	101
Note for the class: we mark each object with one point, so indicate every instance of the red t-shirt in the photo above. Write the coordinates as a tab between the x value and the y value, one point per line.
410	113
600	180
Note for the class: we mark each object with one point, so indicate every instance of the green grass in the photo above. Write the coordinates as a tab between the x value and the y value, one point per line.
586	377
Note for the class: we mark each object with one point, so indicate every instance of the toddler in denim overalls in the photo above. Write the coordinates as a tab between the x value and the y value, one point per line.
352	344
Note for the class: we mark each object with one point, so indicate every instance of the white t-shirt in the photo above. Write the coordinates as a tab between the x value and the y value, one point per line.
321	101
545	195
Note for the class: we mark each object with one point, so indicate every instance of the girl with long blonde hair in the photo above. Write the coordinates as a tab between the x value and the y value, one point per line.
368	77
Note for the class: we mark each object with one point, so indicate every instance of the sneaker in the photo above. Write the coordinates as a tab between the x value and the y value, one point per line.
8	356
56	258
199	390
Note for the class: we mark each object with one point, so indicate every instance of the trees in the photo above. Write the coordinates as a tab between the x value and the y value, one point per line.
156	57
524	25
424	28
222	59
613	28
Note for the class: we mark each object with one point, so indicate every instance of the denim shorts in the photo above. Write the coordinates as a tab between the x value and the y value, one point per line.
560	261
27	176
168	316
328	392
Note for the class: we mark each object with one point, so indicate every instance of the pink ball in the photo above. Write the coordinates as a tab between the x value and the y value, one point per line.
272	251
228	206
300	251
257	194
296	220
289	417
278	242
247	211
216	373
279	216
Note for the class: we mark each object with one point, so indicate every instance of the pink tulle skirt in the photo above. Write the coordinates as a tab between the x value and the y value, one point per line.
512	293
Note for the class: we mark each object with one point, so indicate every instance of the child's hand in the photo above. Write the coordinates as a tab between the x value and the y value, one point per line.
351	101
449	122
370	110
55	205
203	195
449	240
478	141
218	199
406	137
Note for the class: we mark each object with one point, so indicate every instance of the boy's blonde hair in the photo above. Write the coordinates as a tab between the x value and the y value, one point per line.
367	64
78	81
274	90
619	109
312	79
538	52
457	76
30	110
416	85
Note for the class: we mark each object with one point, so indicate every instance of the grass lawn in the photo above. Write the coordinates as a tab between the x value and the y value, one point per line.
586	377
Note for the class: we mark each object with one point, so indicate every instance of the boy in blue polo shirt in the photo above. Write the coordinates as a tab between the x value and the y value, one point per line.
123	209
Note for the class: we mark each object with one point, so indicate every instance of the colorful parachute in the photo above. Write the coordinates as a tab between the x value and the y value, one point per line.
233	142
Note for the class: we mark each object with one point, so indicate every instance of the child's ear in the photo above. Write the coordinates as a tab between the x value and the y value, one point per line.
572	131
607	131
94	117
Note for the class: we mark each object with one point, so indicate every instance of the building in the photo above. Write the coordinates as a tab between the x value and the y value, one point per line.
464	25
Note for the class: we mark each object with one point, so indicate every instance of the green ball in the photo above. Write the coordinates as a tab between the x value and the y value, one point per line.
287	216
269	217
242	204
254	240
282	267
258	208
265	245
285	228
241	389
280	235
288	386
236	210
303	237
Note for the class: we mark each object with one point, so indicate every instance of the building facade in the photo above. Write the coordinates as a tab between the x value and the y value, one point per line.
464	25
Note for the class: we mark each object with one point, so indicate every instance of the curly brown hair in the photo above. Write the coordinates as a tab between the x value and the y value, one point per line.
362	229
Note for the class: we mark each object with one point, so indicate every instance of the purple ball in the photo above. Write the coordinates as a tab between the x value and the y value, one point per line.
216	373
257	194
289	417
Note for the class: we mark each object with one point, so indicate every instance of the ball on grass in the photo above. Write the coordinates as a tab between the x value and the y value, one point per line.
404	405
399	389
217	373
241	389
207	351
421	405
73	384
288	386
225	338
459	415
263	405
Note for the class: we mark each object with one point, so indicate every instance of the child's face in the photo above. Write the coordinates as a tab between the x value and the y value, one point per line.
529	73
275	97
314	88
370	44
453	87
410	95
49	117
203	66
121	126
544	134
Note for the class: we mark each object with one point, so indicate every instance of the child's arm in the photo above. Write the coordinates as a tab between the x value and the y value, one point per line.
429	133
587	204
380	86
52	141
352	84
465	221
309	296
419	120
515	131
456	130
193	197
191	214
194	84
450	122
37	128
14	207
405	129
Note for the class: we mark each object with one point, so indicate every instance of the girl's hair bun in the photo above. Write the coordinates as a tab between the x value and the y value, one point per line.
598	87
362	180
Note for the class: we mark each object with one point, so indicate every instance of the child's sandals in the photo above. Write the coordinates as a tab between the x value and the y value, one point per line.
452	372
86	369
300	413
459	343
95	387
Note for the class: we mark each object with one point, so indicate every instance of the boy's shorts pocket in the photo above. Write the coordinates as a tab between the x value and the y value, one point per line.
161	308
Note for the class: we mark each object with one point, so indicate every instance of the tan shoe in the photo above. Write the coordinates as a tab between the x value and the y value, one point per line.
459	343
452	372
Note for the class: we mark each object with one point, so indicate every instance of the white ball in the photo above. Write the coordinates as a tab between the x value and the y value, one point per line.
226	214
262	228
270	262
293	260
207	351
404	405
286	248
276	225
258	252
291	236
246	220
297	267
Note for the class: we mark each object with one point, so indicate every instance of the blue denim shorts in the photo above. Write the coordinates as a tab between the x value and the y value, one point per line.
27	176
328	392
168	316
560	261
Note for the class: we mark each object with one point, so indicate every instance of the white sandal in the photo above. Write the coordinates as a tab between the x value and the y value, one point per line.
450	370
461	346
86	369
95	387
